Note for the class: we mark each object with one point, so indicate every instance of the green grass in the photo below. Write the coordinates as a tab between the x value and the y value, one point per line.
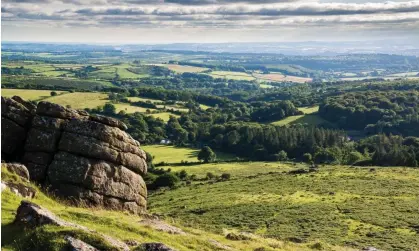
33	95
116	224
232	75
131	109
337	205
80	100
183	68
171	154
310	117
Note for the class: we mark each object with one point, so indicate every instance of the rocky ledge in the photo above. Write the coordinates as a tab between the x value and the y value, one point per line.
89	159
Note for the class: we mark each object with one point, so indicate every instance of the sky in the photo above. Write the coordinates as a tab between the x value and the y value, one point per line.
208	21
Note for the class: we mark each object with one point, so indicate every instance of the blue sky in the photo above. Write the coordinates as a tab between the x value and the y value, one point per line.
169	21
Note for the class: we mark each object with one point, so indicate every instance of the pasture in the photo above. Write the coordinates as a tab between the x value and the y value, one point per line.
183	68
33	95
310	117
339	205
232	75
80	100
172	154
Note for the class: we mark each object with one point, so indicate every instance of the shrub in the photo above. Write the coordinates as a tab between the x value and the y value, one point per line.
307	157
166	180
225	176
54	93
183	175
282	155
210	176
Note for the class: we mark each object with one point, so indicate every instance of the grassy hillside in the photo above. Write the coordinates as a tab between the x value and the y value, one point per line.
119	225
337	205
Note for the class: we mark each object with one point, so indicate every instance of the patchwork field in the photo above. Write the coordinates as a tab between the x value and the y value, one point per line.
33	95
339	205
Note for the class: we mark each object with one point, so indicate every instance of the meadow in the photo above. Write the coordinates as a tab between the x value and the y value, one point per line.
345	206
80	100
183	68
232	75
309	117
120	225
33	95
172	154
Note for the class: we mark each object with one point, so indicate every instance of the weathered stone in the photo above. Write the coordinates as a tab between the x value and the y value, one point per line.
19	189
45	140
87	147
97	178
37	172
94	148
154	247
30	106
100	131
17	169
57	111
32	215
40	158
108	121
43	122
74	244
12	136
15	111
88	157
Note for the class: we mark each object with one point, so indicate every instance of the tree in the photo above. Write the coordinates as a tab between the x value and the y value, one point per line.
109	109
282	155
308	158
53	93
206	154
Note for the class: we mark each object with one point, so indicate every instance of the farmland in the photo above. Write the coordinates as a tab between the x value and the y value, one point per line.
183	68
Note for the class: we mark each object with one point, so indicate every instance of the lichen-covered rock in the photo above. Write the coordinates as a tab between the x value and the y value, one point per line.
74	244
97	182
15	119
154	247
31	215
89	158
17	169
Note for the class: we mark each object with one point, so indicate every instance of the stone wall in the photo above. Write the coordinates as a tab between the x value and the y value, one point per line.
85	158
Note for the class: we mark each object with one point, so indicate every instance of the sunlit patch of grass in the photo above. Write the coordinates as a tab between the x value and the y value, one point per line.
80	100
33	95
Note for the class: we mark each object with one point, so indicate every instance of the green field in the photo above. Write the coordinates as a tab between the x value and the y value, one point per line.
80	100
131	109
310	117
33	95
171	154
183	68
338	205
232	75
116	224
